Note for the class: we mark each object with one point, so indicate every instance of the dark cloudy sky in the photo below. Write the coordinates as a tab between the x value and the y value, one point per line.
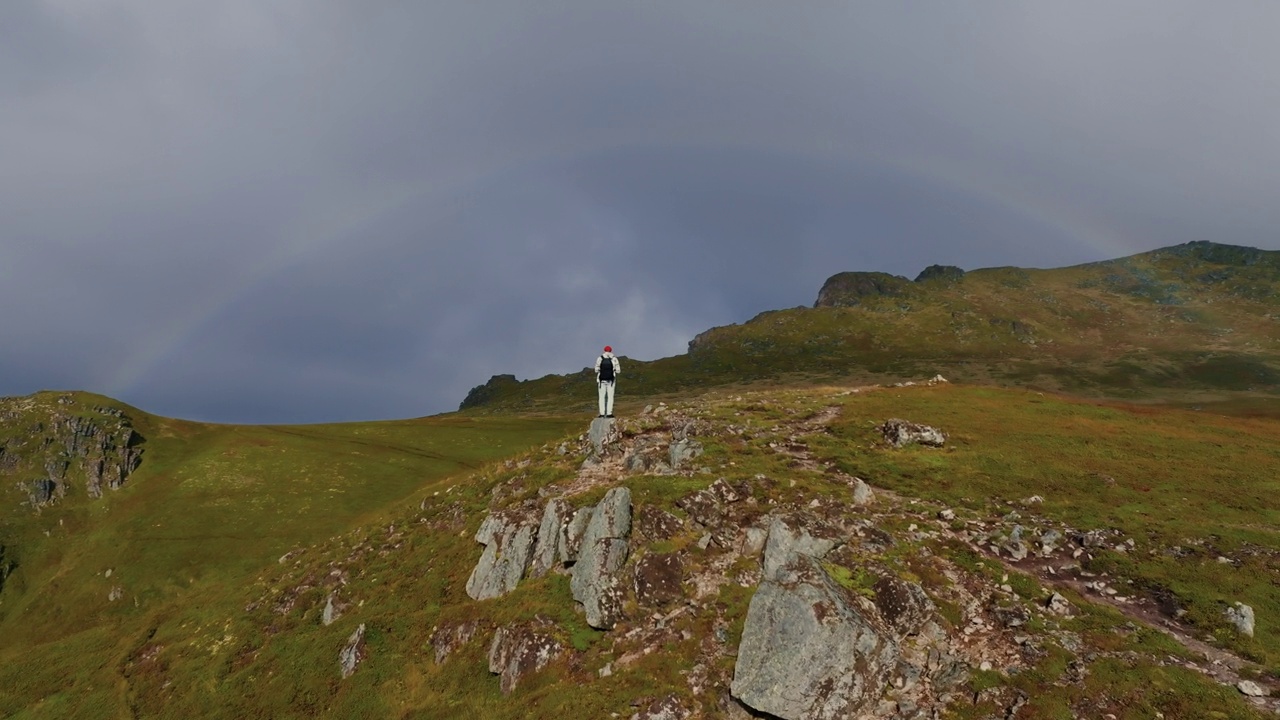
306	210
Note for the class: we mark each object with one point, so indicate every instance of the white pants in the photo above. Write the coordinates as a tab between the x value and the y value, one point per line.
605	389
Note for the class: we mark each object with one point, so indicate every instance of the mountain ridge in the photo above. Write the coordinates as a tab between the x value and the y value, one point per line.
1196	317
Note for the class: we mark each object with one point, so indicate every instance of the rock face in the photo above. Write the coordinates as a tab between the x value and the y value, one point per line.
517	651
900	432
810	649
784	542
353	653
508	538
604	549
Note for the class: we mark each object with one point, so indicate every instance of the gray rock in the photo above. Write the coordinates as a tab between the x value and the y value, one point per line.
1251	688
603	552
810	649
571	535
332	611
1058	604
900	432
1241	616
753	540
602	433
516	652
353	653
547	549
784	542
659	579
684	450
508	539
862	494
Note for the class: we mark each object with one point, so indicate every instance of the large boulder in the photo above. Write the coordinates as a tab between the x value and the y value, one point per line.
571	534
352	653
811	649
604	549
508	538
517	651
602	433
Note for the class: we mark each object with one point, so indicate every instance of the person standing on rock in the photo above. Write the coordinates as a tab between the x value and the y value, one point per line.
607	369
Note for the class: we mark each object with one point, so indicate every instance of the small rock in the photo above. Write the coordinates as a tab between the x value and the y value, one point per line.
704	542
353	653
1241	616
1058	604
947	514
862	494
1251	688
607	670
901	432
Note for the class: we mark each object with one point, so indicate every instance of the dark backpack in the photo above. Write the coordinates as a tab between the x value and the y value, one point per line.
606	368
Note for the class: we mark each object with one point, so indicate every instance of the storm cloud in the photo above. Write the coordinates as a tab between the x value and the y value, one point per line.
301	211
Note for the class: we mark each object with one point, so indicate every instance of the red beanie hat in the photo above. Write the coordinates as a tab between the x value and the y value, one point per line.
608	349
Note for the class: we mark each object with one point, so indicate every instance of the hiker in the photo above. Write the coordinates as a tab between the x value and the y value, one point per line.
607	369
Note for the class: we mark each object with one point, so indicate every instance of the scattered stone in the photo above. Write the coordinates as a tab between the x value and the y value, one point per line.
508	537
563	449
1058	604
666	708
117	592
604	550
704	542
1241	616
753	540
901	432
948	514
353	653
862	494
682	451
518	651
605	671
1251	688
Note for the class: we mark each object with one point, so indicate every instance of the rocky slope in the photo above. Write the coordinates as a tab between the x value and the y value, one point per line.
703	559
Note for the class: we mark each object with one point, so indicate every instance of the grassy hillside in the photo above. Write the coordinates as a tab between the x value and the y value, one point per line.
381	517
208	507
1199	321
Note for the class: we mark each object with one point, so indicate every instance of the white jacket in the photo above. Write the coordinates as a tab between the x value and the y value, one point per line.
617	368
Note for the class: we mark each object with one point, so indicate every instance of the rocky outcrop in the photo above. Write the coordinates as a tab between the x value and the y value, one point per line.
447	639
810	649
68	447
571	535
943	273
508	539
546	552
594	582
784	542
851	288
518	651
497	386
900	432
351	655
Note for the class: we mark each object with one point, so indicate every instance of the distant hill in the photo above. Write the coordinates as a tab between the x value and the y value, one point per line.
1190	319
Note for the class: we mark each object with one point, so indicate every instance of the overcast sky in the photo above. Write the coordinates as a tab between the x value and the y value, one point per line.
311	210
